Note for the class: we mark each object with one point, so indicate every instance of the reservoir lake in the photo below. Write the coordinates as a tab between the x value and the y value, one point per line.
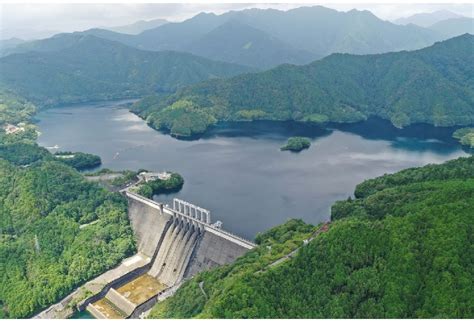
237	171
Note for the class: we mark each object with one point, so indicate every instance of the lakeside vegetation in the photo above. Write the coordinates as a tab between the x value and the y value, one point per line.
14	109
465	136
43	203
181	119
158	186
401	249
79	160
296	144
401	87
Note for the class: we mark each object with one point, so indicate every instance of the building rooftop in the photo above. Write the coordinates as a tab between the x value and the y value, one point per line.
149	176
12	129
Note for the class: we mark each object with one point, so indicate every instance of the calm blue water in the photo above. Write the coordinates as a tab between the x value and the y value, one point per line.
237	170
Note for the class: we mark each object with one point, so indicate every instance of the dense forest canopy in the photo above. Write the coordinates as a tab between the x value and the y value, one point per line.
78	160
402	249
465	136
46	251
296	144
72	68
433	85
158	186
14	109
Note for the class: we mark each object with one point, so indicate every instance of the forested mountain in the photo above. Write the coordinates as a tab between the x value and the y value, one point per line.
57	42
6	44
316	30
454	27
324	31
402	249
138	27
76	67
432	85
294	36
45	254
45	251
248	46
428	19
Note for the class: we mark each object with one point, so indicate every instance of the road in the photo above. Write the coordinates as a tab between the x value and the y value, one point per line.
322	229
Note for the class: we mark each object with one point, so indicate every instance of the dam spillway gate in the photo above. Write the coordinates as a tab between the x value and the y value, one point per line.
174	243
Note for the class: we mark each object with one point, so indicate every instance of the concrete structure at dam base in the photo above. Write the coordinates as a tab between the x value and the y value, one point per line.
173	244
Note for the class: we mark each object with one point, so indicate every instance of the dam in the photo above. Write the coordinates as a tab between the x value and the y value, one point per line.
174	243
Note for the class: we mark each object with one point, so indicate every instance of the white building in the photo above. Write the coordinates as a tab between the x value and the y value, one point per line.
150	176
12	129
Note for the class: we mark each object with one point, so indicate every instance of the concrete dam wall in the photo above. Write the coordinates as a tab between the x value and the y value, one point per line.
173	257
173	244
211	251
180	240
148	224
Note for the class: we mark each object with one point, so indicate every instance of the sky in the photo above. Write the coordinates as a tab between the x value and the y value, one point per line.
39	20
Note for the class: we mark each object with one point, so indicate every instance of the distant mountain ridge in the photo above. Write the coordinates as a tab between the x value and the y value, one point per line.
432	85
266	38
249	46
77	67
315	31
138	27
428	19
453	27
324	31
6	44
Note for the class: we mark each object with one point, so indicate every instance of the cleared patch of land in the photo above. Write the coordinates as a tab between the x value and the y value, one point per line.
109	310
141	289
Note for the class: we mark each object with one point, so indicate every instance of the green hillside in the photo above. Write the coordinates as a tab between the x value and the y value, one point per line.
403	249
45	253
249	46
75	68
14	109
432	85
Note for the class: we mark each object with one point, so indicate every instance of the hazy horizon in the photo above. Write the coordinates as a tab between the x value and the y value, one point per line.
30	21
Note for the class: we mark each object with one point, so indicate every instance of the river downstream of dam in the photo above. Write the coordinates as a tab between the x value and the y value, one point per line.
237	171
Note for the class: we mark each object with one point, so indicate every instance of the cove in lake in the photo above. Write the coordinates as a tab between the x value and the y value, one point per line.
237	171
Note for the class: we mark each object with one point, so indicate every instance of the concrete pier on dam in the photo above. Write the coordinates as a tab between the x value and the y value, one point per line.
174	243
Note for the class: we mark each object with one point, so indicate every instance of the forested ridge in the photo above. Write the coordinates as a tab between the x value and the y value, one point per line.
266	37
44	251
70	68
433	85
14	109
402	249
